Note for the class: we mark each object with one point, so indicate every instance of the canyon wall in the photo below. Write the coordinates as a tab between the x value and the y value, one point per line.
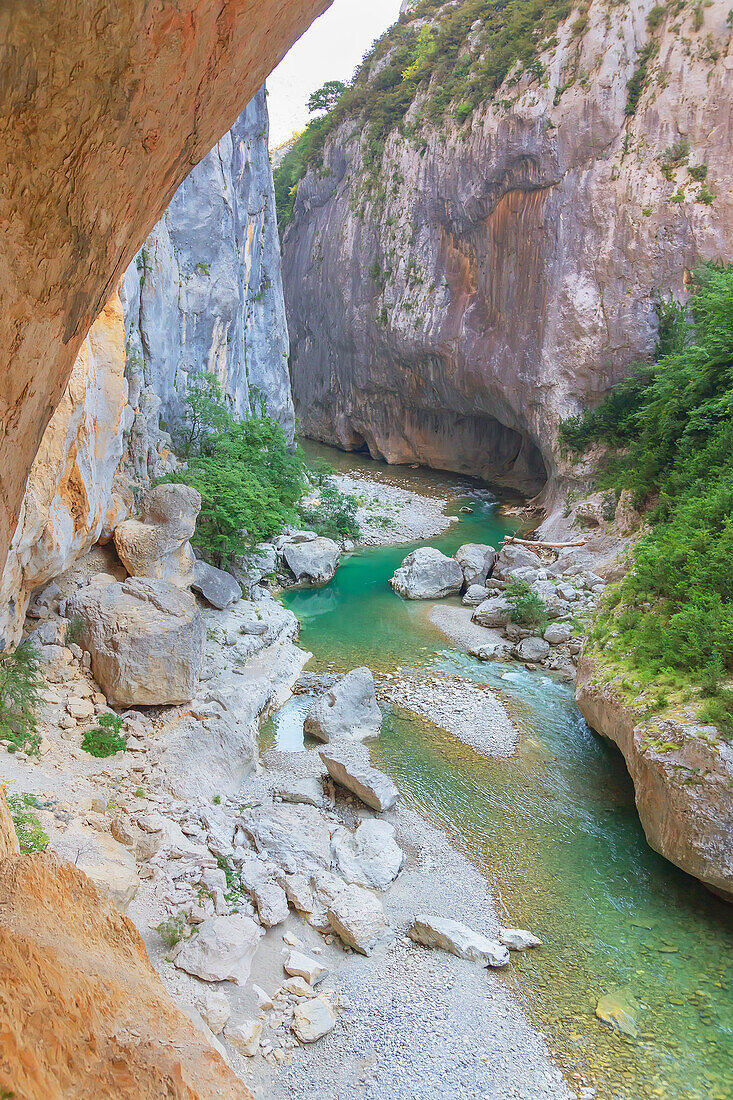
453	302
204	293
106	108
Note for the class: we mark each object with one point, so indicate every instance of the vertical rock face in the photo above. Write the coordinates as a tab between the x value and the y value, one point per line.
453	300
205	291
106	108
69	499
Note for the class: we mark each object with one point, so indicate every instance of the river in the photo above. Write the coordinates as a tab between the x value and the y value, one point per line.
554	829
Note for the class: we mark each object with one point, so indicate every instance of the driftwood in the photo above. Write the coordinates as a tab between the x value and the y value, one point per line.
543	545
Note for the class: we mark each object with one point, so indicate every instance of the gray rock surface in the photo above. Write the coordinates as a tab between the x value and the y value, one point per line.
315	561
557	633
475	559
357	917
494	612
451	935
533	649
348	710
205	293
216	586
146	640
427	574
350	769
370	856
474	595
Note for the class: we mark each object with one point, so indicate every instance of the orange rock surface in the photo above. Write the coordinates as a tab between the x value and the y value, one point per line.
82	1012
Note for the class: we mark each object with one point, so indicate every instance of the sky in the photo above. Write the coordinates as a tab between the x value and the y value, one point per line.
329	50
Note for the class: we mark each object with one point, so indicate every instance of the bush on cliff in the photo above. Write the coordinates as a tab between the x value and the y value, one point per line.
20	687
249	477
670	431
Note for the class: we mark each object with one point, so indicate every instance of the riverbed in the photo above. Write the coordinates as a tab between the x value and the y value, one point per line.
553	828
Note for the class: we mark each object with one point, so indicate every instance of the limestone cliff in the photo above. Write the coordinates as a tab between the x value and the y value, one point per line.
106	108
205	291
457	288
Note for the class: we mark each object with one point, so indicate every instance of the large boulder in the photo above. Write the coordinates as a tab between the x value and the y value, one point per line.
349	709
357	917
494	612
350	769
370	856
513	556
458	939
426	574
218	588
156	545
222	949
475	559
532	649
315	561
146	639
109	865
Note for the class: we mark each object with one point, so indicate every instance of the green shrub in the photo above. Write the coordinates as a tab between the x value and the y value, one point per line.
636	85
173	930
528	609
28	829
104	739
248	476
698	171
20	686
675	452
334	517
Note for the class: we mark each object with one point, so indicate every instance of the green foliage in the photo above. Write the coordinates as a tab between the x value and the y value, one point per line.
248	476
334	516
655	17
31	835
528	609
327	96
20	686
104	739
674	450
173	930
704	195
74	631
698	171
636	85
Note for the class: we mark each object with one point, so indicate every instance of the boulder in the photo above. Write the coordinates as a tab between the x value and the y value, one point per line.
517	939
474	595
350	770
244	1035
357	917
426	574
494	612
307	791
475	559
216	1011
222	950
557	633
370	856
312	1020
512	557
532	649
109	864
302	966
156	545
348	710
459	939
315	561
146	640
217	587
296	838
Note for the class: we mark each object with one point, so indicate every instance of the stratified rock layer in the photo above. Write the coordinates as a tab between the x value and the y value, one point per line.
452	304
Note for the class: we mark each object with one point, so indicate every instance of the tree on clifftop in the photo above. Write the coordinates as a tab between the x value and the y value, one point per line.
326	98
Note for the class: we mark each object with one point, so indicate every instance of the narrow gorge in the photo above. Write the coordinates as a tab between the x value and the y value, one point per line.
366	643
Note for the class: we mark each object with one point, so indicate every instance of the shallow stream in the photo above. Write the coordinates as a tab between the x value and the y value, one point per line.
554	828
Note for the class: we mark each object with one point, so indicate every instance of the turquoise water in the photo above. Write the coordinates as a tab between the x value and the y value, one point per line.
555	831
